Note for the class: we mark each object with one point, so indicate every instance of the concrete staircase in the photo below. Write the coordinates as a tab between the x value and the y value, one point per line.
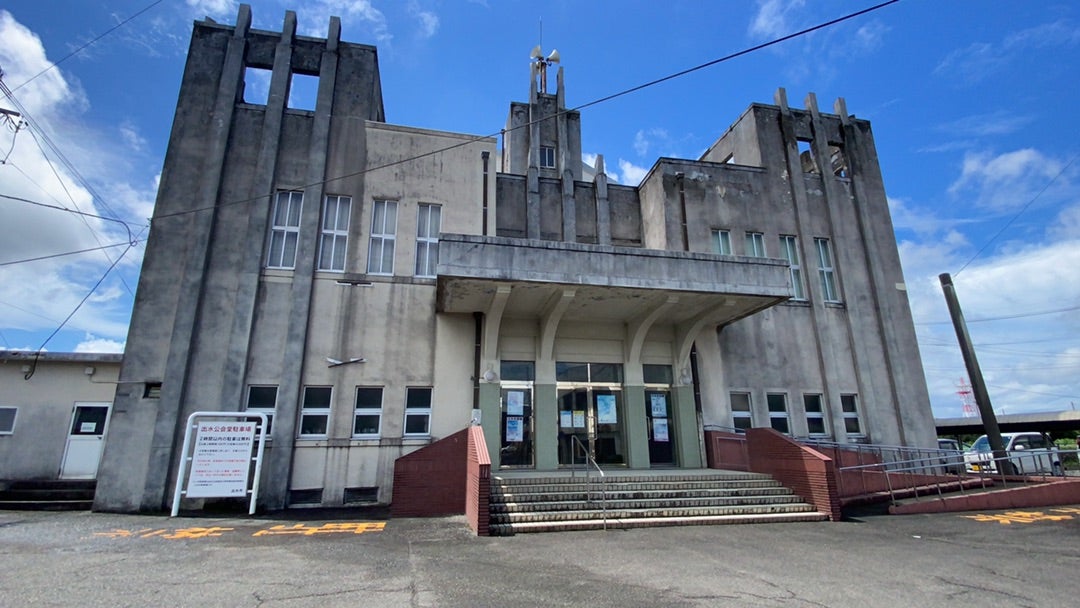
48	495
533	503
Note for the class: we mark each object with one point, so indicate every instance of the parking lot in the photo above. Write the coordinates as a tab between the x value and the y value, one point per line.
1001	558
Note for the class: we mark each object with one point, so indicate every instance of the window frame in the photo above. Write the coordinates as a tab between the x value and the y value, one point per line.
755	244
775	415
789	247
417	411
747	414
427	239
721	241
315	412
820	414
830	291
367	411
547	157
14	419
268	411
286	232
852	414
337	235
380	239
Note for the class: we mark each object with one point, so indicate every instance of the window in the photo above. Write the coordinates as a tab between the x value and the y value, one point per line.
428	225
335	232
263	400
721	242
815	416
315	411
368	413
285	230
7	420
256	85
806	157
417	411
740	411
755	244
789	245
826	271
383	229
851	415
547	157
778	418
152	390
303	91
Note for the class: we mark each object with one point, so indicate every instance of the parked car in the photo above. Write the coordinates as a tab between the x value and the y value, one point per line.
952	457
1029	453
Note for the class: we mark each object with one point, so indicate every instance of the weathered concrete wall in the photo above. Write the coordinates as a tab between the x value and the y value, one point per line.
35	450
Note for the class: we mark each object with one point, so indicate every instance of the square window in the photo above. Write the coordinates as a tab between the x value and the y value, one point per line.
315	411
778	415
417	411
367	417
816	423
547	157
755	244
741	418
721	240
7	420
849	405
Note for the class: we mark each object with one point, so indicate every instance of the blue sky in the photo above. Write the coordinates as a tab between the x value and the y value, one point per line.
968	100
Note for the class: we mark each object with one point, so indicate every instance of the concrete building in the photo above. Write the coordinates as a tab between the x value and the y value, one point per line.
54	413
375	288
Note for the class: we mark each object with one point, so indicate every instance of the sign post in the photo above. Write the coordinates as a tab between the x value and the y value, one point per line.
219	466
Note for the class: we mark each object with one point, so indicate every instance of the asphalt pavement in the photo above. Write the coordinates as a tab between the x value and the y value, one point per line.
1018	558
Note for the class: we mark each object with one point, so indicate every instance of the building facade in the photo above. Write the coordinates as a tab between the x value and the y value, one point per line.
374	288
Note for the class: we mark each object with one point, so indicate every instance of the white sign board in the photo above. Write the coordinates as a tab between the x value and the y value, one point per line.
221	459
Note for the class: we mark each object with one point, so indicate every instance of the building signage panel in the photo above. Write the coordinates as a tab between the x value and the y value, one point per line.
221	459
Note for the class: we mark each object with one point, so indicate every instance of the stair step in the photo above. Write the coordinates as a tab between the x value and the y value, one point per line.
507	529
635	479
635	494
640	503
564	486
596	513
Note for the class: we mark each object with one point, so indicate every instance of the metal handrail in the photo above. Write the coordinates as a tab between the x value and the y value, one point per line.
574	443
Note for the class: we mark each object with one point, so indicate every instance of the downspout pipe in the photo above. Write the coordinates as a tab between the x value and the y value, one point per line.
484	156
680	178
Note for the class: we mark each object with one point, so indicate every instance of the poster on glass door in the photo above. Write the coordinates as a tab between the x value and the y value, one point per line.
514	432
660	429
658	402
605	410
515	403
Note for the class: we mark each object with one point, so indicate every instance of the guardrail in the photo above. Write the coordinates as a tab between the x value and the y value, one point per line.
575	443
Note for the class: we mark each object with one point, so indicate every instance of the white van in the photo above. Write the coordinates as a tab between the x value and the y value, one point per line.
1030	453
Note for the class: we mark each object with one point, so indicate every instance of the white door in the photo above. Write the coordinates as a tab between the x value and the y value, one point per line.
86	437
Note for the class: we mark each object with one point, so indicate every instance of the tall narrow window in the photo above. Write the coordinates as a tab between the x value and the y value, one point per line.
778	416
383	231
315	411
417	411
263	400
428	225
721	242
789	245
755	244
285	230
740	411
368	414
850	406
815	416
826	271
547	157
335	233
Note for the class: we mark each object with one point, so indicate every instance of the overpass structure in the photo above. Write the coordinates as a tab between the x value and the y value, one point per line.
1047	422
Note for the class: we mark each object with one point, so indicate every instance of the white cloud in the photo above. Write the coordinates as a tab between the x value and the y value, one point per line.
314	16
983	125
773	18
631	173
981	60
1067	224
214	8
1004	182
94	344
428	21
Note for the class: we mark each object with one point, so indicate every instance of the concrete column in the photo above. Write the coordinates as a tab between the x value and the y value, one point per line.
532	203
491	419
688	449
635	435
603	207
546	421
569	208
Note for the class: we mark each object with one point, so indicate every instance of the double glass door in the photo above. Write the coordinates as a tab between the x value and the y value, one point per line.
594	415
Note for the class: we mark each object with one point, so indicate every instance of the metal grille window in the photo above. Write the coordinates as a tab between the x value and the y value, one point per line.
263	400
368	414
428	225
335	233
285	229
778	416
815	416
315	411
755	244
852	426
417	411
826	271
721	242
383	231
741	417
789	245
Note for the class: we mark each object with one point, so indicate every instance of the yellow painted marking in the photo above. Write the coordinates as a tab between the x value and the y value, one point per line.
1023	517
197	532
334	528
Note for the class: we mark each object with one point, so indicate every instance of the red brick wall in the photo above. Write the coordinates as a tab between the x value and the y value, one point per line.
726	451
430	482
477	507
807	472
1061	492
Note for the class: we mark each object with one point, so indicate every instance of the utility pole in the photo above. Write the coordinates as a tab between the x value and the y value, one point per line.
978	386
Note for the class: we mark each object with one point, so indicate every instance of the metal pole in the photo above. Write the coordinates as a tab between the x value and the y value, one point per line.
978	386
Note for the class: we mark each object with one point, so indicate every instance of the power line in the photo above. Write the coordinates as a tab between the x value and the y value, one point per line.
127	227
66	253
474	139
81	48
1006	317
1022	390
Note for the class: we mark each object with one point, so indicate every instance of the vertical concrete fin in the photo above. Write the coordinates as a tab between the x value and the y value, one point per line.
600	165
840	107
559	97
333	34
532	203
288	28
243	21
780	98
811	104
603	206
569	208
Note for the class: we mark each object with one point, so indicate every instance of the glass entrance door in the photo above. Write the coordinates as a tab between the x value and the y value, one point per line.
517	426
593	415
658	425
